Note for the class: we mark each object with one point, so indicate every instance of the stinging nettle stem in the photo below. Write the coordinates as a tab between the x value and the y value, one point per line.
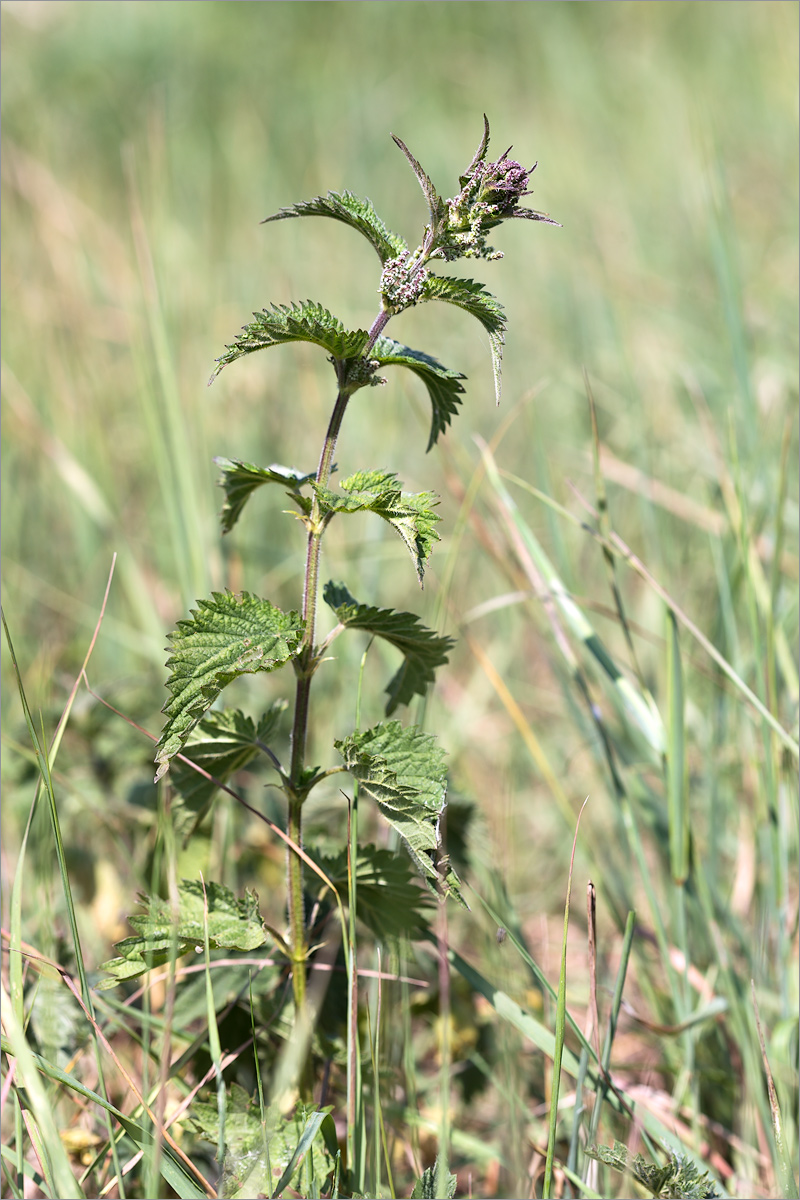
305	666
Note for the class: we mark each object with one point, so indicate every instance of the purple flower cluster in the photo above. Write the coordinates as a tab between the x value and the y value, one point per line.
501	184
490	193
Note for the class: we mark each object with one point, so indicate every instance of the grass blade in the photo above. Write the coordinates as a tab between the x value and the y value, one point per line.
561	1008
785	1166
213	1037
55	1161
677	784
613	1017
44	764
310	1131
171	1167
635	563
638	706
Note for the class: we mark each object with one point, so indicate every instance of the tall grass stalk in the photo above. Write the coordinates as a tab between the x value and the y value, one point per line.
561	1015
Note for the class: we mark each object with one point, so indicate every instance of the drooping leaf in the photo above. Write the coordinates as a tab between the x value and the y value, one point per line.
242	1121
443	384
306	322
313	1123
358	214
240	479
258	1158
222	743
427	1186
390	901
436	205
423	650
56	1020
474	299
161	933
225	637
403	771
411	514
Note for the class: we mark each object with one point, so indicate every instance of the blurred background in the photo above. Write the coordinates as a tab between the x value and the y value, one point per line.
142	146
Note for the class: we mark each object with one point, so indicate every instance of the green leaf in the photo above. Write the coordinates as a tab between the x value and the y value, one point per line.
680	1177
390	901
358	214
409	513
311	1129
421	648
306	322
55	1020
247	1170
474	299
427	1186
403	771
436	205
222	743
242	1125
443	384
225	637
163	934
240	479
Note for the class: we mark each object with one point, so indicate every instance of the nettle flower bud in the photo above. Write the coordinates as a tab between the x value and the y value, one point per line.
359	373
490	193
503	184
402	282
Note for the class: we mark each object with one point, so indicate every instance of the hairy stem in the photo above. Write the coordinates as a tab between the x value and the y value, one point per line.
376	329
305	665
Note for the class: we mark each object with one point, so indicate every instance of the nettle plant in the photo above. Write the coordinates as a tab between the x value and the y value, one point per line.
399	767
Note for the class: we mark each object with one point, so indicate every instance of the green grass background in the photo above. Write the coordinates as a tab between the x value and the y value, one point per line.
142	145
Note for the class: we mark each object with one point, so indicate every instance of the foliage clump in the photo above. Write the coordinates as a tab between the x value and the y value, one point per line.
679	1179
